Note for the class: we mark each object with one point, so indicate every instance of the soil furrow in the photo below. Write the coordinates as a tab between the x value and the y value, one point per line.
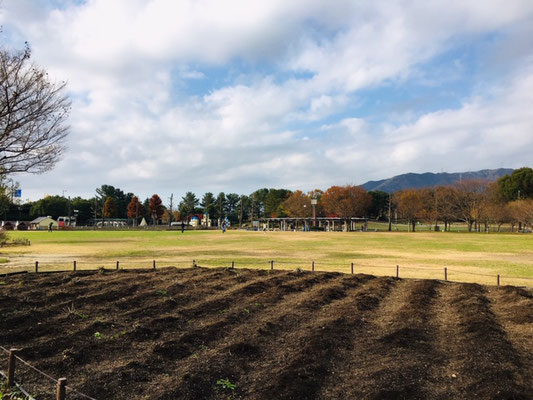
249	334
245	350
513	309
481	361
403	334
181	352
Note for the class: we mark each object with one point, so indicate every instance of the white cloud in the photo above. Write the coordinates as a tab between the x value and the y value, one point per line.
135	125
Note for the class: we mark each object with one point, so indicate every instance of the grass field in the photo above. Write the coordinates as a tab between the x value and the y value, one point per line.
468	256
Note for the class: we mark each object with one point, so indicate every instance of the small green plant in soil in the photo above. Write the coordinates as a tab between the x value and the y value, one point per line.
10	394
226	384
98	335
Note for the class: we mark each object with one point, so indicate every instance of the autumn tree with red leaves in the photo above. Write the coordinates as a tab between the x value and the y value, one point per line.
346	201
135	209
156	208
298	205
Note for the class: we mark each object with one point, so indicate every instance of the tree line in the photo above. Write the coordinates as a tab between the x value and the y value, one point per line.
476	203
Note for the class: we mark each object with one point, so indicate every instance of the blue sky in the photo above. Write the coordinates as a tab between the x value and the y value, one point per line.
171	96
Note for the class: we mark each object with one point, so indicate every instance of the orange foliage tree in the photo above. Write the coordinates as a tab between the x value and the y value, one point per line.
135	209
346	201
298	205
410	206
156	208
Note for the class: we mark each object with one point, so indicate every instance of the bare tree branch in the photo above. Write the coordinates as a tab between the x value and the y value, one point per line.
33	114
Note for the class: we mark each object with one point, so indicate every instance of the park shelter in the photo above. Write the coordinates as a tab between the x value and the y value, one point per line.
322	223
22	225
41	223
8	225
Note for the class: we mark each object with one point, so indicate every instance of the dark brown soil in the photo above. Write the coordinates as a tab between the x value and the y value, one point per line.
194	333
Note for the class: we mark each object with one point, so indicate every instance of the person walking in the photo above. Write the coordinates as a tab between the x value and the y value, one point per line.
50	226
182	226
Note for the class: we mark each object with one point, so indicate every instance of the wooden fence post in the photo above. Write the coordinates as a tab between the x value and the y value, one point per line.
313	266
11	368
74	265
61	389
154	264
498	279
118	265
232	264
272	265
352	268
397	271
36	266
445	273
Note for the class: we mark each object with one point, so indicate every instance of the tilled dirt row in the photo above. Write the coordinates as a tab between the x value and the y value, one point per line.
251	334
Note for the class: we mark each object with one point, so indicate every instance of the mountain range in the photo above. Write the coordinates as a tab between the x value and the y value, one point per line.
429	179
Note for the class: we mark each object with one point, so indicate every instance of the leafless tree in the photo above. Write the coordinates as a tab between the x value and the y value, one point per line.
33	113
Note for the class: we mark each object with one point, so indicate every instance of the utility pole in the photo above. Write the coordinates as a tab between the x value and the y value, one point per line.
252	212
241	214
95	208
171	206
136	212
390	216
314	202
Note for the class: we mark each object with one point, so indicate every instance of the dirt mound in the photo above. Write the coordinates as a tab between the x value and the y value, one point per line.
247	334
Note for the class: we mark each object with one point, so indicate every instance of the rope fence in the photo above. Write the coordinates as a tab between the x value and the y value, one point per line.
61	383
349	267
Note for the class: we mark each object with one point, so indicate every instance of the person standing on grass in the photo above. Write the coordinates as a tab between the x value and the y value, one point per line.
182	226
223	226
50	226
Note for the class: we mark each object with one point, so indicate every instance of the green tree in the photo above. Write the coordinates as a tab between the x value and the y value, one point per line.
379	205
518	185
188	205
220	206
243	208
257	203
53	206
83	210
120	198
230	209
208	205
273	201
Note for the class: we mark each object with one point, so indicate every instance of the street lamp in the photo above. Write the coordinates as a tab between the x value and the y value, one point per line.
314	202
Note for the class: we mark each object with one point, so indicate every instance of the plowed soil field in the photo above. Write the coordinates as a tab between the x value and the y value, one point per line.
251	334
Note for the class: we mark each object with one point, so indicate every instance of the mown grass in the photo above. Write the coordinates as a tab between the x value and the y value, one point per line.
372	252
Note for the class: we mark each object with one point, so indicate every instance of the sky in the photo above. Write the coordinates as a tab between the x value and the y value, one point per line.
170	96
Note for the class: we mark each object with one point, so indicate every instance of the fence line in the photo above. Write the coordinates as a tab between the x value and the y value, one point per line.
313	265
61	382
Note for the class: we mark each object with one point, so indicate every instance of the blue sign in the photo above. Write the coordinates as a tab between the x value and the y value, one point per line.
18	193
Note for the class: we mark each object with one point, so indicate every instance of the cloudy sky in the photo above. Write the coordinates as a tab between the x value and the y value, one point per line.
172	96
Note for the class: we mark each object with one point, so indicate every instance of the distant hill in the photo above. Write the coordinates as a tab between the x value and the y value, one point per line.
428	179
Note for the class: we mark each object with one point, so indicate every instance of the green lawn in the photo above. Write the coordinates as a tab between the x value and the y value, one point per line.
420	254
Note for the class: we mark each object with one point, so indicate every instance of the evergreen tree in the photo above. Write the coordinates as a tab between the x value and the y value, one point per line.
188	204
